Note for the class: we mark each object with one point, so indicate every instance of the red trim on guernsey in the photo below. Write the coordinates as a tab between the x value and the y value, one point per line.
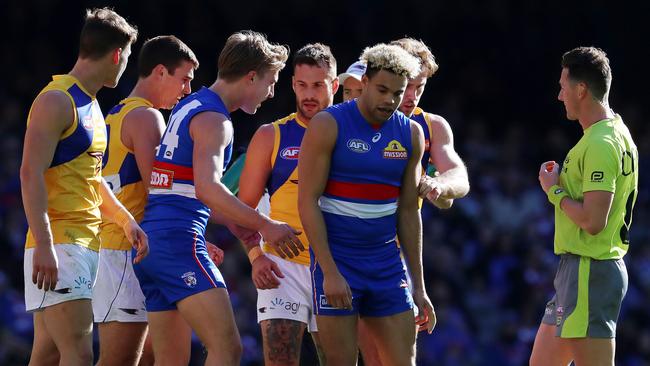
180	172
364	191
201	265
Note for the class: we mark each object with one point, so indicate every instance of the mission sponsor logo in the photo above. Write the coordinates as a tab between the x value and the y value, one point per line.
395	150
161	178
290	153
358	146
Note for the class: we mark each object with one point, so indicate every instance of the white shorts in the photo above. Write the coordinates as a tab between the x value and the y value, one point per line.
76	275
117	295
292	299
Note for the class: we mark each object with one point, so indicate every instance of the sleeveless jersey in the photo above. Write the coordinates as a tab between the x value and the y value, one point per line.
283	180
172	203
121	172
74	176
360	200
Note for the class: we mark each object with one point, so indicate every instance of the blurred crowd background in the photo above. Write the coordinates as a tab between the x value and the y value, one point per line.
489	260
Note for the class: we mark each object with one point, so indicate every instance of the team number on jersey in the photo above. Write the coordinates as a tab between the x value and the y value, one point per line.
170	140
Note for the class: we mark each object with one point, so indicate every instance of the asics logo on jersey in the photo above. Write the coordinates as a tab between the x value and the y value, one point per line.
161	178
358	146
376	137
290	153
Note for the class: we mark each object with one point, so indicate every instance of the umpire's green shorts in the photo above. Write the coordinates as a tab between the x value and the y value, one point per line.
588	296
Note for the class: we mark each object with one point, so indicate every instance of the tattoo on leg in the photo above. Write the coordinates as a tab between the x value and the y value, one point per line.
283	340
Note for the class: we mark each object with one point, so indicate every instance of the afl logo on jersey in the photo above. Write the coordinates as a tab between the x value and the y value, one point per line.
290	153
358	146
87	122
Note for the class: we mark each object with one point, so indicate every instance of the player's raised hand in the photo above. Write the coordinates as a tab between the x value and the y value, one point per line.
283	238
426	319
266	273
337	291
137	238
215	253
45	267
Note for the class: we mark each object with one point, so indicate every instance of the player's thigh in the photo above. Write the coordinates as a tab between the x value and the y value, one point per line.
44	351
120	343
209	314
548	349
395	337
70	324
337	335
282	339
592	351
170	336
367	344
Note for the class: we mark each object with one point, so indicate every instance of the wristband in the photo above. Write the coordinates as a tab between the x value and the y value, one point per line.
254	253
122	217
556	194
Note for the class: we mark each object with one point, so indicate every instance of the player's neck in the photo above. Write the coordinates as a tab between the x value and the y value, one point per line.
303	118
229	93
90	75
148	90
593	113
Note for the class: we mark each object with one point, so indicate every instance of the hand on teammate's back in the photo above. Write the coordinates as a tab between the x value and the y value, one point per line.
282	238
138	239
266	273
45	267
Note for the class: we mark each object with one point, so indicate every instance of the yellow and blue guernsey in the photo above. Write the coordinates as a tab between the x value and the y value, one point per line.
120	171
283	181
424	120
74	176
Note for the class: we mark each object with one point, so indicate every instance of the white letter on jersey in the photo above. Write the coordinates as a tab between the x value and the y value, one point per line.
170	140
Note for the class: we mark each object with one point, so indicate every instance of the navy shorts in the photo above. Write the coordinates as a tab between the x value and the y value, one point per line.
178	266
377	279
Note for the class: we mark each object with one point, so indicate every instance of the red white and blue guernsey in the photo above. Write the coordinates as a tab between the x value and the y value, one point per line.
359	206
178	264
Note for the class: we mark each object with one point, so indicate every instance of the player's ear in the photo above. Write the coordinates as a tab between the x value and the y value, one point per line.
293	83
160	70
115	56
335	85
251	77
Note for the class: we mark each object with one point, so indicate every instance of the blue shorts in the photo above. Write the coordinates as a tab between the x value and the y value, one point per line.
378	282
177	266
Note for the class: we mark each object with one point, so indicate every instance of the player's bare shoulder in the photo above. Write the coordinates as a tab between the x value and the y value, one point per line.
53	106
440	128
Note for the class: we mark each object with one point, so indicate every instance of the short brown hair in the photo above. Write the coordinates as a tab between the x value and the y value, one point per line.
247	51
589	65
168	51
421	51
104	31
316	54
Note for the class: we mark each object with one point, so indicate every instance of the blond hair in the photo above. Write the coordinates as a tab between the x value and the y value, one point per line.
247	51
421	51
390	58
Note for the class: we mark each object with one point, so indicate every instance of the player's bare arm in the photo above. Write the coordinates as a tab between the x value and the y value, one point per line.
51	116
590	214
211	133
452	182
142	129
112	209
257	170
409	228
313	170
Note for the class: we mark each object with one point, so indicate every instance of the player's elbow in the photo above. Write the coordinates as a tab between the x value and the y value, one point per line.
28	174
